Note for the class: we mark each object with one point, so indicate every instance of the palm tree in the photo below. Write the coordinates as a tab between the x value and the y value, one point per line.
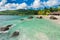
51	9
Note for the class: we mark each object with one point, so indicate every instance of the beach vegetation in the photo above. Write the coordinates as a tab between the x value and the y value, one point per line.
45	11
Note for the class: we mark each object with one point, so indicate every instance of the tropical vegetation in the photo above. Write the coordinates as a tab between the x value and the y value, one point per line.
45	11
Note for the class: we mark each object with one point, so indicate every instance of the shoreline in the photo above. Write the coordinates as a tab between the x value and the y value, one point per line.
48	18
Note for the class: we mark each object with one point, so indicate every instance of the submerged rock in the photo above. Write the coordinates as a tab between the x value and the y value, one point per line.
9	25
54	18
21	19
5	28
15	34
40	17
30	17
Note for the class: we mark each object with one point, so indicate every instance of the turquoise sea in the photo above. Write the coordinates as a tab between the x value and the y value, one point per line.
32	29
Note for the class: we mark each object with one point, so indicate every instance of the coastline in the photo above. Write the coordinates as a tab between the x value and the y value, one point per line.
47	17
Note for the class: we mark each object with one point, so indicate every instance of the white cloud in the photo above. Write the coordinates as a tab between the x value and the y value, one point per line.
10	6
36	4
2	9
51	3
22	6
13	6
3	2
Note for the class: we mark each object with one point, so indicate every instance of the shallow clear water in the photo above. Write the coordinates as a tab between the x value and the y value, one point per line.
10	17
34	29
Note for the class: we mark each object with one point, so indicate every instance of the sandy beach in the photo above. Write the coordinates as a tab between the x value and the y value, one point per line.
48	18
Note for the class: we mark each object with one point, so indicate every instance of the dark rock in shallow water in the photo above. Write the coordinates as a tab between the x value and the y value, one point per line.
15	34
40	17
21	19
9	25
54	18
5	28
30	17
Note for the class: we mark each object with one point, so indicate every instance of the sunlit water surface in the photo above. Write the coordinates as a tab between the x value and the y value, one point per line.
32	29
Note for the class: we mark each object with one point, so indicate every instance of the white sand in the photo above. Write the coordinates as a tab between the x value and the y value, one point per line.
48	18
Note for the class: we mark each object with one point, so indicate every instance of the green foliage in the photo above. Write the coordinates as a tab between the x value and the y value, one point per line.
45	11
59	8
52	9
19	12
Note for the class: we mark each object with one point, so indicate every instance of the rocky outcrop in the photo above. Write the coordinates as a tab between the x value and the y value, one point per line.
30	17
5	28
15	34
40	17
54	18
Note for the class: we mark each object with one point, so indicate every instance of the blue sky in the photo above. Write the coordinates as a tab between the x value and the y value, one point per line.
27	4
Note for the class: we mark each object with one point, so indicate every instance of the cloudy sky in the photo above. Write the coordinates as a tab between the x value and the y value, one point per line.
27	4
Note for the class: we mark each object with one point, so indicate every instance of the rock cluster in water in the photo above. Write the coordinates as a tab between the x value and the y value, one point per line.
54	18
30	17
40	17
15	34
5	28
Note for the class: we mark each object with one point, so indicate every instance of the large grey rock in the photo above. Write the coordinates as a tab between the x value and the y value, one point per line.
15	34
30	17
54	18
5	28
40	17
